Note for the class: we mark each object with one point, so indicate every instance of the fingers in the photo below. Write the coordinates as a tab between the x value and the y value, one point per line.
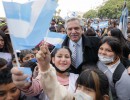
19	79
40	56
16	71
44	49
43	52
22	84
43	58
47	50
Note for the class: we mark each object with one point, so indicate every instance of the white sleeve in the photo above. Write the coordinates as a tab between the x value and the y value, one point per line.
52	87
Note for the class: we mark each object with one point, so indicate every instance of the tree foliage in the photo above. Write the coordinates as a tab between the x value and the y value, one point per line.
111	9
90	14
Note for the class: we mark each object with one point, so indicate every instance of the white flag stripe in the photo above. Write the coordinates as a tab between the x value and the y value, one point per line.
54	41
29	22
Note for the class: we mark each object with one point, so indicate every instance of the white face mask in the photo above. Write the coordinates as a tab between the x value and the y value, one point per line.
105	59
79	95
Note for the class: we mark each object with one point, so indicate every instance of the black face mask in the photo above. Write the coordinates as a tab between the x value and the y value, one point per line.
58	70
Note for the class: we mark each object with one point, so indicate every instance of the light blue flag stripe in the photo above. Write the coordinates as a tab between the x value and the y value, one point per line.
125	22
55	39
13	10
93	25
54	36
101	25
40	28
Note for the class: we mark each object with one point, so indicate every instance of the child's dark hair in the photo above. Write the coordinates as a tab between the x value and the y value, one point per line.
24	53
3	62
96	80
5	76
56	49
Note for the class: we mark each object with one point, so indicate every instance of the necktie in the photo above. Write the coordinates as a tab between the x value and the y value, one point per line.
74	55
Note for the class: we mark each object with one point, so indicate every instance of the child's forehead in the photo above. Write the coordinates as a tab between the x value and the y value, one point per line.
7	86
29	54
62	51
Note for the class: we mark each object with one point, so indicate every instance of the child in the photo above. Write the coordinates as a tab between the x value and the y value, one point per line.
61	59
8	90
91	84
26	55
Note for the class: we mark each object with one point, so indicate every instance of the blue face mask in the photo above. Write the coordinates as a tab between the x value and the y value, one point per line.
33	60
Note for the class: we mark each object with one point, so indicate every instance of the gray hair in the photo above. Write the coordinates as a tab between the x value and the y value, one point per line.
73	19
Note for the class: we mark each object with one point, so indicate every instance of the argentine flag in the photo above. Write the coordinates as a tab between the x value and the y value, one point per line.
28	22
102	25
123	22
55	39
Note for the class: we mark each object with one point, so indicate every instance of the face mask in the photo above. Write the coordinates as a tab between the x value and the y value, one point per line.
105	59
79	95
60	71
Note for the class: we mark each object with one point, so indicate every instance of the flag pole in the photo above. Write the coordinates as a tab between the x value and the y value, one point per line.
46	40
46	36
15	54
124	4
52	50
16	57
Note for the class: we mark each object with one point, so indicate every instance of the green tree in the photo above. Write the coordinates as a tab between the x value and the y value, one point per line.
90	14
111	9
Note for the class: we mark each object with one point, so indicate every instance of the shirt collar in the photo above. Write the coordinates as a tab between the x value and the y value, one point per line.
79	42
114	66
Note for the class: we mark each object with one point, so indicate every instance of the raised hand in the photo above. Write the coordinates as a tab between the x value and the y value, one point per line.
43	58
19	79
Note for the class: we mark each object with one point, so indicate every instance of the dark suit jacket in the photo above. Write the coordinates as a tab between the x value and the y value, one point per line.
90	51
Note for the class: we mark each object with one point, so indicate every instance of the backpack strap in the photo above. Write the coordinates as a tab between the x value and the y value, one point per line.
118	73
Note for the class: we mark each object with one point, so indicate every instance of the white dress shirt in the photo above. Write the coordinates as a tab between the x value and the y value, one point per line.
79	56
113	67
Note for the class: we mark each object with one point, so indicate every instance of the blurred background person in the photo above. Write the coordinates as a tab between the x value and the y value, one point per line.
5	45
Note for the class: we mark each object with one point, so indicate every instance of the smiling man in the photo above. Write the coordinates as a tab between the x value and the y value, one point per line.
84	49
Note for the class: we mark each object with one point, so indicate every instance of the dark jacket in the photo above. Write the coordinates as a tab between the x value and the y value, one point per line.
119	81
90	51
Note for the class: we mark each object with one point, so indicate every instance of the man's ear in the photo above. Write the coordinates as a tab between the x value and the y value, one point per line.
82	30
106	97
53	60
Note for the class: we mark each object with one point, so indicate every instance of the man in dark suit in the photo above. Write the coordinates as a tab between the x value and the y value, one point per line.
87	48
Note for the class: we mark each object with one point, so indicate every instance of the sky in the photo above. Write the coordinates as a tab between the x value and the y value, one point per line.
77	5
67	6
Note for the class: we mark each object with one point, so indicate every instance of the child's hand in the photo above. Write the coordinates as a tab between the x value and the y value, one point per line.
43	58
19	78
